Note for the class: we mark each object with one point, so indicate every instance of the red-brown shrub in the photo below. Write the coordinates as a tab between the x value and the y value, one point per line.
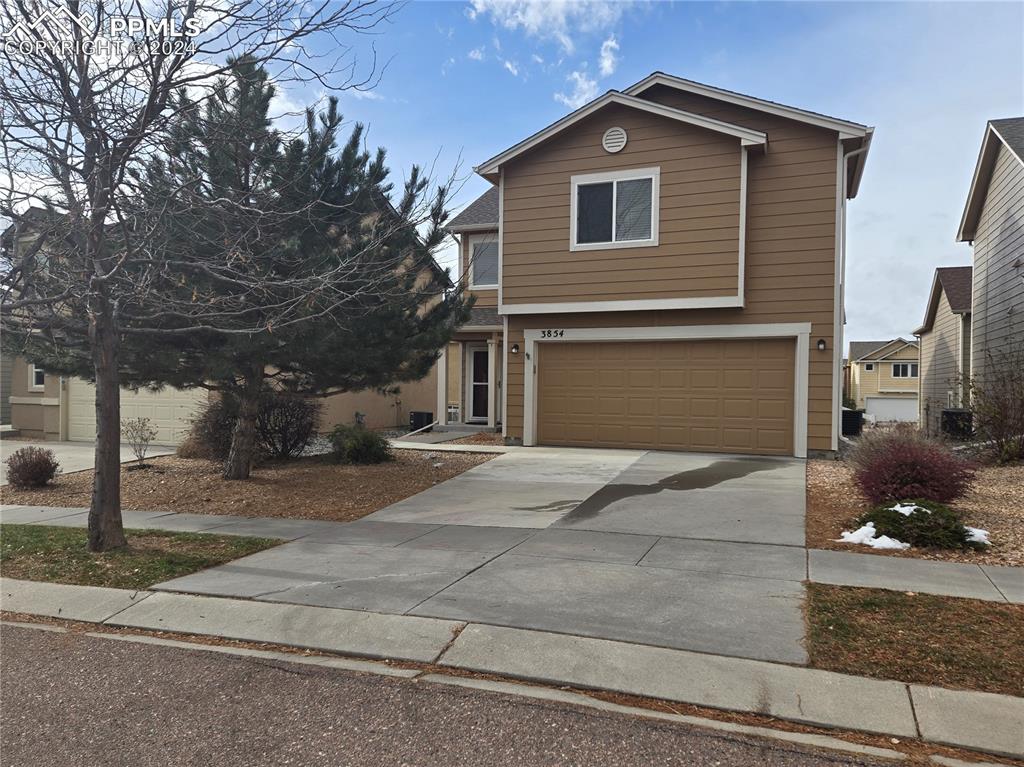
31	467
903	464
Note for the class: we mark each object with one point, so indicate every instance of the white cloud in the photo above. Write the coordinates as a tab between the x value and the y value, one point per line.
552	19
477	54
537	59
361	95
609	56
584	89
511	67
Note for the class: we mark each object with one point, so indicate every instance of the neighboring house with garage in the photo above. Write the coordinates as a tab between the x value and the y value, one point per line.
945	341
993	221
662	268
884	379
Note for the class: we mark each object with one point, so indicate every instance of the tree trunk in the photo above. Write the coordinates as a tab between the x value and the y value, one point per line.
106	530
243	438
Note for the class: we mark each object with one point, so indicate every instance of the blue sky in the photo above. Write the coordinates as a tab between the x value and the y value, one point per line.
466	80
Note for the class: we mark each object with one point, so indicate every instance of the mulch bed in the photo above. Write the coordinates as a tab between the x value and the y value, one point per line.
920	638
995	503
59	555
310	488
480	438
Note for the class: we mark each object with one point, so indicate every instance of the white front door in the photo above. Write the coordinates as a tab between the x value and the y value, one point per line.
476	383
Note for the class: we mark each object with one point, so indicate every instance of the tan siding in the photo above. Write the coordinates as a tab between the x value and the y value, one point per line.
939	351
484	298
998	304
536	218
381	410
790	247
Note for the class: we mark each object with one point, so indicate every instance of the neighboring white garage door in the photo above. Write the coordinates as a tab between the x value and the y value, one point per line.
892	408
168	410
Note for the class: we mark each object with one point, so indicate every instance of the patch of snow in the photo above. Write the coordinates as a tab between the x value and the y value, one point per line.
866	536
908	509
974	535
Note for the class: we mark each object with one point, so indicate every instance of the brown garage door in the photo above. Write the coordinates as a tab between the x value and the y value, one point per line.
718	396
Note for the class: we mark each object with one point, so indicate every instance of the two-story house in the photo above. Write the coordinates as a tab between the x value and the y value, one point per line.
884	378
662	268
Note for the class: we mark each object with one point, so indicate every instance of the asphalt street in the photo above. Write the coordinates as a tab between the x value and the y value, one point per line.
69	699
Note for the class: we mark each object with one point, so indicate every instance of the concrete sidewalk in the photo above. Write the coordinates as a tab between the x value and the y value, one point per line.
980	721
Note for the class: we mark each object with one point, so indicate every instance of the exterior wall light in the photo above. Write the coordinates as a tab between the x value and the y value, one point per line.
515	349
821	344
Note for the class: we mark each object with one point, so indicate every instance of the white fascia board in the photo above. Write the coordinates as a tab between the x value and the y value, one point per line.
713	302
845	128
746	135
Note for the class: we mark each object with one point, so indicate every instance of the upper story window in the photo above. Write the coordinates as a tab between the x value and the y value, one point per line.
904	370
869	366
618	209
483	261
36	377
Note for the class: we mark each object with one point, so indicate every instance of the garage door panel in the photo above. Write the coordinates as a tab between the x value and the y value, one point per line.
724	396
169	410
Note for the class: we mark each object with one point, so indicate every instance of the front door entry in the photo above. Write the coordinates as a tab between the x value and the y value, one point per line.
478	383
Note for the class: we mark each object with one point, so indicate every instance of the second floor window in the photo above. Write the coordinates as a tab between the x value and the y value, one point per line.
483	262
904	370
36	377
618	209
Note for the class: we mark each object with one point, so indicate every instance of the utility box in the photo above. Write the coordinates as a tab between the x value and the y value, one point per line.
957	423
853	422
418	419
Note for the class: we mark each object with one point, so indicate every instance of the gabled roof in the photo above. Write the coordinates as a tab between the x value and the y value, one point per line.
1008	133
746	136
860	134
956	283
481	214
861	350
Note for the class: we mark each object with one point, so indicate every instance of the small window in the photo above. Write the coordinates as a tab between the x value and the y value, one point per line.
612	210
36	377
483	262
904	370
869	366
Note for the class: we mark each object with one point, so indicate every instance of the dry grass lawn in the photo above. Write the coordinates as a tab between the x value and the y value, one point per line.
310	488
920	638
995	503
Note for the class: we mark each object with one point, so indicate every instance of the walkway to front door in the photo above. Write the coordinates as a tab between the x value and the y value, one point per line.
699	552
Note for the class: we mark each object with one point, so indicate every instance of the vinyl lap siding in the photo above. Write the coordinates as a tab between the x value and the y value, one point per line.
998	309
486	298
790	250
939	351
698	251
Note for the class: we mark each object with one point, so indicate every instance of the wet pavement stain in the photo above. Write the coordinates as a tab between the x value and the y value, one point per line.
553	506
694	479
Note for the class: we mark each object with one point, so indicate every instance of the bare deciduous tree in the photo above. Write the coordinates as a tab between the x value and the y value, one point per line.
87	92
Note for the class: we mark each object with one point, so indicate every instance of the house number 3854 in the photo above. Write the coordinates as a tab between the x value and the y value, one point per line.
552	333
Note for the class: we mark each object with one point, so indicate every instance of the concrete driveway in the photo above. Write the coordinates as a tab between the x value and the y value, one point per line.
697	552
74	456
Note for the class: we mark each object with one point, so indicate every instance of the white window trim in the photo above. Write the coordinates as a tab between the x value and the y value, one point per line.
800	331
32	385
869	367
470	241
910	370
633	174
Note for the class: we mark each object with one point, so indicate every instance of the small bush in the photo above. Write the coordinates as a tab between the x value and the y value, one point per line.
30	467
138	433
286	424
357	444
930	524
210	435
904	463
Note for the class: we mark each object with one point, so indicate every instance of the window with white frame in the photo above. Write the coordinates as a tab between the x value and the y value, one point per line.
36	377
904	370
869	366
483	261
615	210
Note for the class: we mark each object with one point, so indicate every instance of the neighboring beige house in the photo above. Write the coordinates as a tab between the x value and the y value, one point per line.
884	379
993	221
662	268
945	340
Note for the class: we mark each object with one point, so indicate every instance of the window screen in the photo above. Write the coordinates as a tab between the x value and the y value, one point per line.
485	263
633	210
594	213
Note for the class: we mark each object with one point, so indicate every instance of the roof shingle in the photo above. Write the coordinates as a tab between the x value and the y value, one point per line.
956	284
861	349
483	211
1011	130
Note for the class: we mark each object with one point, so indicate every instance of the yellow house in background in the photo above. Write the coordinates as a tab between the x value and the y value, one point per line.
884	378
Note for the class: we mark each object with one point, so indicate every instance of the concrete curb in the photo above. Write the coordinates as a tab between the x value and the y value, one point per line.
444	447
978	721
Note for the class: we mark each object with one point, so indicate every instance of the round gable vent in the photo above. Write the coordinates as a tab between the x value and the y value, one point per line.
614	139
